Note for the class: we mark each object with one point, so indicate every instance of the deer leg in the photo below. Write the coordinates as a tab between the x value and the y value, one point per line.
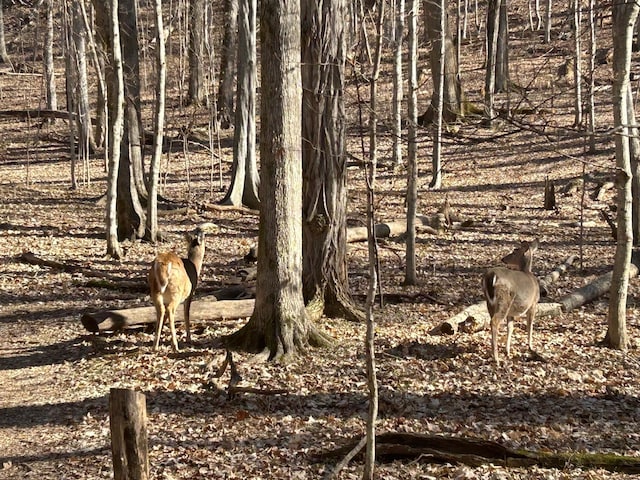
187	319
172	325
160	312
495	324
509	333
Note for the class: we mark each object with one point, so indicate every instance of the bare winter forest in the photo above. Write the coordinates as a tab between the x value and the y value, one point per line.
55	376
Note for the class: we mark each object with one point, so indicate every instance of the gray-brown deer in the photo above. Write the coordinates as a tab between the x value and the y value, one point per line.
512	292
173	280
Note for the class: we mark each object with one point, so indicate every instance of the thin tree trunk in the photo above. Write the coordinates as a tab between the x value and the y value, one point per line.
116	126
493	24
49	73
372	382
436	158
577	63
398	33
156	157
244	175
547	22
624	17
410	277
592	69
4	56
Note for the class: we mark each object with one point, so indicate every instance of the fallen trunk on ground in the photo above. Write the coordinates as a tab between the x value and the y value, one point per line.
591	291
474	452
207	308
476	317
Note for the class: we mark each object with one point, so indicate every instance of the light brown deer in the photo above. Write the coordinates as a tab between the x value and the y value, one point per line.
512	292
173	280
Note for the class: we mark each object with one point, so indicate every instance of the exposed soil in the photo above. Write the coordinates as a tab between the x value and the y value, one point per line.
55	376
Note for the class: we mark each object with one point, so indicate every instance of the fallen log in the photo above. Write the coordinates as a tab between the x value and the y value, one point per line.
476	318
394	446
591	291
555	275
207	308
434	223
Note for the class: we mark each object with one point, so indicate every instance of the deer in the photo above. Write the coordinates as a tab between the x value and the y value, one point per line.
173	280
510	293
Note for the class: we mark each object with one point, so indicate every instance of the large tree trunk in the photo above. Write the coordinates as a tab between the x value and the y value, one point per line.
325	276
133	116
452	90
625	13
197	25
227	63
244	174
279	322
131	187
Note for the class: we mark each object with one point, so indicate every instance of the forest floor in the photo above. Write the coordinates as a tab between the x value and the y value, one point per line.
55	377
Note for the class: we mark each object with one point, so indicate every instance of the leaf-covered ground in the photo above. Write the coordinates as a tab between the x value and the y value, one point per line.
55	377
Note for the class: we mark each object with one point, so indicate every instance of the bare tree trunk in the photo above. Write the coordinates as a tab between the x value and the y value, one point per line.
244	175
634	154
436	159
154	168
592	69
116	127
49	73
547	22
502	49
227	63
452	101
197	25
398	33
493	24
410	277
372	381
324	162
625	13
279	323
577	63
4	56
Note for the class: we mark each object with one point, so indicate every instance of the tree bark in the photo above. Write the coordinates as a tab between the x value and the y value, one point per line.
115	95
624	17
452	88
49	72
325	273
129	443
4	56
227	63
197	25
158	134
205	309
244	173
410	277
279	323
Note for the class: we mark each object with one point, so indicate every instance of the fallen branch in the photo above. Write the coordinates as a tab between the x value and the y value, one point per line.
474	452
31	114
